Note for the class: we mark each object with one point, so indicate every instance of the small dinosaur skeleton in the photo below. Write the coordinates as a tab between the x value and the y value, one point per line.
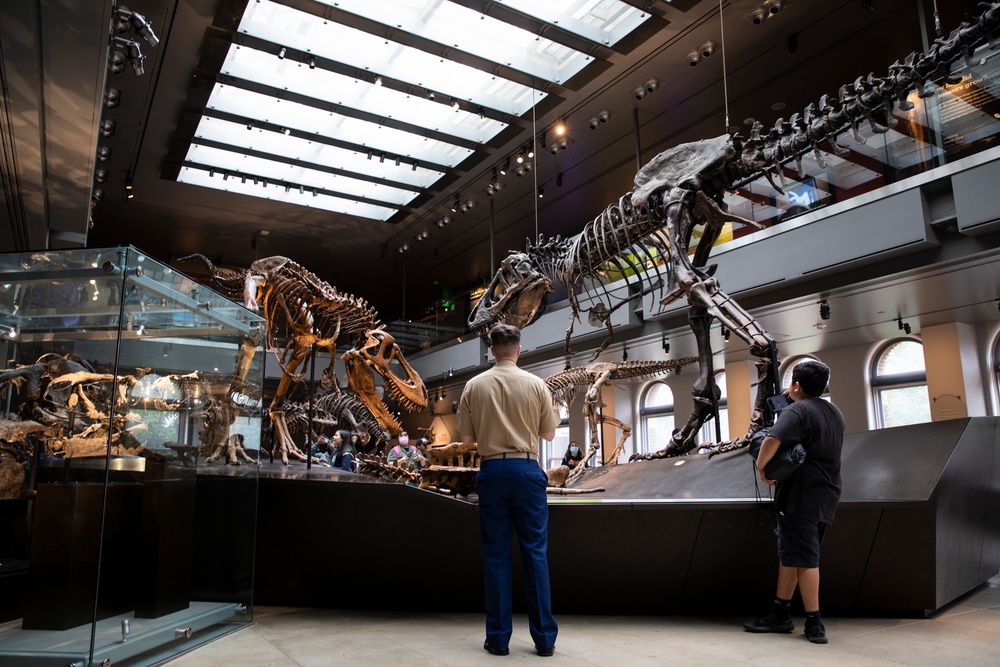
310	313
565	385
646	235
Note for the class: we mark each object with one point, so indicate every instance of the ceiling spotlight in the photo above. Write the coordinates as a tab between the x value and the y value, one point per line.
430	95
707	49
133	53
593	122
554	148
302	190
211	173
454	104
225	175
694	58
541	192
527	166
824	310
250	125
560	128
312	63
454	207
640	92
493	178
903	326
282	52
519	171
482	114
315	194
520	158
370	153
378	80
505	167
414	166
665	342
381	158
529	151
443	222
111	98
653	84
243	179
397	160
604	116
286	131
774	6
725	334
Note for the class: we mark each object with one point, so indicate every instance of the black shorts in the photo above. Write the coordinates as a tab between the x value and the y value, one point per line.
799	540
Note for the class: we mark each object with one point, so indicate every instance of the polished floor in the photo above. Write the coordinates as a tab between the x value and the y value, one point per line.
966	633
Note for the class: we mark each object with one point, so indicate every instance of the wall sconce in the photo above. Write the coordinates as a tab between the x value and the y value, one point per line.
903	326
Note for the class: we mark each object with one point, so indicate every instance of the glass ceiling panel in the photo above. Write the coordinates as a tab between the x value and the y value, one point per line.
361	94
377	55
276	143
601	21
335	126
334	204
238	163
472	32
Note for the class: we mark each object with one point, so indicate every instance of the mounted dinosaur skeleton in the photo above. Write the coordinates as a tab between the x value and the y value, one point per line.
646	235
310	313
565	385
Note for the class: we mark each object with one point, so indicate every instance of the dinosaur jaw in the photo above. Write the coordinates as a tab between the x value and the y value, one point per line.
375	355
514	296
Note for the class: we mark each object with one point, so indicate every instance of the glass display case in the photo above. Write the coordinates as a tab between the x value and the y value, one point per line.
128	459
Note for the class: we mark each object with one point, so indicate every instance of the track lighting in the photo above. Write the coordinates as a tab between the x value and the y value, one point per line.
774	6
250	125
903	326
541	192
666	345
125	19
287	188
381	158
225	175
707	49
529	151
397	160
482	114
758	16
640	92
694	58
286	131
519	171
378	81
520	158
725	334
282	52
505	167
593	122
312	63
824	310
560	128
603	116
302	189
455	105
430	95
443	222
370	153
652	85
315	194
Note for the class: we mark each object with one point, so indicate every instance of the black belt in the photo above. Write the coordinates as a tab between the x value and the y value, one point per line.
512	455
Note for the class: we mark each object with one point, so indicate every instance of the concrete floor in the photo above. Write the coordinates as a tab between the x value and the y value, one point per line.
965	633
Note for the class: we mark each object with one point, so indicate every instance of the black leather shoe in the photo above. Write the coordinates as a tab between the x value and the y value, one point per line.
494	650
545	652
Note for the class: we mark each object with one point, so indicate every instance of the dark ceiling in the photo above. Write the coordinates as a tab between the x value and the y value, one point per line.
54	55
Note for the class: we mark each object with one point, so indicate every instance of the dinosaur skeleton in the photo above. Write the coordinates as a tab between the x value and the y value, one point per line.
310	313
565	385
332	412
682	189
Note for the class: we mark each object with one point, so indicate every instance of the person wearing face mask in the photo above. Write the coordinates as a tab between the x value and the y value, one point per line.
573	455
404	452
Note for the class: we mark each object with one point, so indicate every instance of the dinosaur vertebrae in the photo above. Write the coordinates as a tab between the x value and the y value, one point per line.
869	99
626	370
303	300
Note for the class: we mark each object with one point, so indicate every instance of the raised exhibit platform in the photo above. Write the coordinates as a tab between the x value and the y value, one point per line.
918	526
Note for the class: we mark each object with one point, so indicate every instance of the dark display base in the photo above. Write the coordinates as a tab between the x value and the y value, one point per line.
918	527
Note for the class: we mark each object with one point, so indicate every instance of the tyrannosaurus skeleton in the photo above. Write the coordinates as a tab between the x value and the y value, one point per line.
310	313
682	189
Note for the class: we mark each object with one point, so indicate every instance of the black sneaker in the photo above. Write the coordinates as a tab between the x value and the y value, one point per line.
770	622
816	633
495	650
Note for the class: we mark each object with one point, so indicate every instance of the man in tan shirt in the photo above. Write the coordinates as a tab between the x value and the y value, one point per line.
505	410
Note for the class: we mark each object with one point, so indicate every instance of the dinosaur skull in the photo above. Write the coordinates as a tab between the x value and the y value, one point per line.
514	295
376	353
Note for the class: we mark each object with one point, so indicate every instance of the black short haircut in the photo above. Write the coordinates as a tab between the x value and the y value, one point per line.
812	376
504	339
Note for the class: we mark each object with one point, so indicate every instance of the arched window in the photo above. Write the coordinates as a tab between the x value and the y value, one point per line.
899	384
708	430
789	365
656	414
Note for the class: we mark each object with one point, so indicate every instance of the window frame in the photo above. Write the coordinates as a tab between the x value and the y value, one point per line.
878	384
652	412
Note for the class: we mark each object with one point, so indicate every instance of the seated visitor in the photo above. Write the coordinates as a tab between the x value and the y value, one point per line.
344	452
322	452
573	455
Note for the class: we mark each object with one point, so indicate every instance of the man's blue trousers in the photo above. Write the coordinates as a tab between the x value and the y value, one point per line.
512	497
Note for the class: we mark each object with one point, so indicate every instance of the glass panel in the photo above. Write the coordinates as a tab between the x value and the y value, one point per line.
906	405
658	395
905	356
603	21
455	26
656	432
379	56
133	365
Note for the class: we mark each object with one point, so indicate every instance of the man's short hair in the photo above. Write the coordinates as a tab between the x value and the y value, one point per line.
504	339
812	376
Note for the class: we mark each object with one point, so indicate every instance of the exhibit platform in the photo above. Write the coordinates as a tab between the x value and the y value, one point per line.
918	527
